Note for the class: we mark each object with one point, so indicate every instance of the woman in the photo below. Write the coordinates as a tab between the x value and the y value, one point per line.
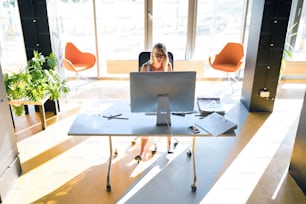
159	62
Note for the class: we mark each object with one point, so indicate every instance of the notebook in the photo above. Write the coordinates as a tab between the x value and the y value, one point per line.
216	124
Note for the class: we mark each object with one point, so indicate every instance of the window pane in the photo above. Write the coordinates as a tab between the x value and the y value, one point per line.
120	28
170	25
299	49
119	23
218	22
12	50
72	21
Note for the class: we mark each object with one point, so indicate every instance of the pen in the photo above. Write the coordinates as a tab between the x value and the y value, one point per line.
179	114
120	118
114	117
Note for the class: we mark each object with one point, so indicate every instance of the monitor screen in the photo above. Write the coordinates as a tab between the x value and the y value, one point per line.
162	93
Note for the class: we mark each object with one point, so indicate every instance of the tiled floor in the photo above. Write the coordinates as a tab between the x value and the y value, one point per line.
249	168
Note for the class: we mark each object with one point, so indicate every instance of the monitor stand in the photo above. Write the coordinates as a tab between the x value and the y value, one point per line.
163	111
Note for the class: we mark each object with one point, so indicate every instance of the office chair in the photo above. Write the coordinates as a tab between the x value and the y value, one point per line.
228	60
144	57
77	61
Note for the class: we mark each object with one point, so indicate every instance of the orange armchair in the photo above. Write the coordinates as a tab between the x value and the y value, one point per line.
77	61
228	60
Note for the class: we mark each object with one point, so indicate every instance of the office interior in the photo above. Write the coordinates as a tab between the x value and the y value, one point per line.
193	31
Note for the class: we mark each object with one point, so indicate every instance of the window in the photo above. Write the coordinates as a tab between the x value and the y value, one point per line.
72	21
12	52
115	30
299	47
170	25
218	22
120	29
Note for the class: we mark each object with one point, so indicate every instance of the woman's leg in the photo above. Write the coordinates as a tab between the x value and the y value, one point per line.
170	150
143	143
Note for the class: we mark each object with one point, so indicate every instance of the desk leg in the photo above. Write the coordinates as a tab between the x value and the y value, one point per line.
42	116
108	186
194	185
56	111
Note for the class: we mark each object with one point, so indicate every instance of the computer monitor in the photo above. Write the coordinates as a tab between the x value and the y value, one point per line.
162	93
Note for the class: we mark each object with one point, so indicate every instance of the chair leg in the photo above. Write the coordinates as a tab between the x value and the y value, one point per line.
176	142
219	79
134	141
230	79
79	77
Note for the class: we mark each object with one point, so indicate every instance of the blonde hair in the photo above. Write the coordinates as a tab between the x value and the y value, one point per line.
161	48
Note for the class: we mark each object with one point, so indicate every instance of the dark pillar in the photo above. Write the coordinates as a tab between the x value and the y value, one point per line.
268	28
35	26
297	166
36	34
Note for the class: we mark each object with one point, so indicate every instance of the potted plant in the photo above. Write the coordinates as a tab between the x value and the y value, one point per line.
36	81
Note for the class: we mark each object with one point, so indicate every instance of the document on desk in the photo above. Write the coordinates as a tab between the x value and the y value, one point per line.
210	105
216	124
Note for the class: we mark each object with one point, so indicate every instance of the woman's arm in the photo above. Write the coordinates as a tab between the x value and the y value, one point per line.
169	67
144	67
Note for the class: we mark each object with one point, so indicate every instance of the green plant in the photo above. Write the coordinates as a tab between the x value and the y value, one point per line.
36	81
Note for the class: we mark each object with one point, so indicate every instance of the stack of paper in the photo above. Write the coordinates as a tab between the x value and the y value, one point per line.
210	105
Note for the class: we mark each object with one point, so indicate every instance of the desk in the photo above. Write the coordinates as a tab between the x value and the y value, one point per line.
90	122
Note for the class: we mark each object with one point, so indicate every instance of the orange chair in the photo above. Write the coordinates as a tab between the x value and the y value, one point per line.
229	60
77	61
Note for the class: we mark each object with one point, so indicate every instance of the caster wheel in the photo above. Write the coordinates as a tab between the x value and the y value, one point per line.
154	149
133	143
108	188
193	188
189	153
138	158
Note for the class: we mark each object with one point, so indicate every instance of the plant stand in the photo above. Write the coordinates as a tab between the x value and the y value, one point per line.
40	104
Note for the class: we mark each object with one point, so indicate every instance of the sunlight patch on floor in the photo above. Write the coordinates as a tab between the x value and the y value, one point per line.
280	183
242	176
60	170
153	172
47	176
